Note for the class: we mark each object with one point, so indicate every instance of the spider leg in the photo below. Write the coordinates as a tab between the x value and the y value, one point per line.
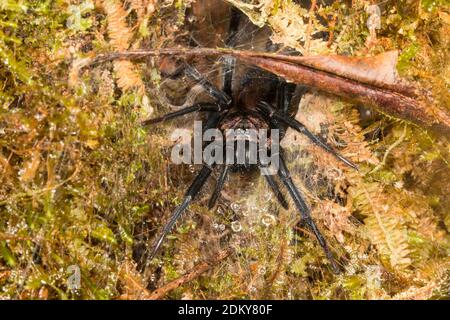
192	72
305	212
283	96
193	190
227	69
218	187
233	27
291	122
282	101
212	121
275	188
222	98
181	112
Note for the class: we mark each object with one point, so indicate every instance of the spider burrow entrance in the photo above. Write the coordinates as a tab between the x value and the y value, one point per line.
242	111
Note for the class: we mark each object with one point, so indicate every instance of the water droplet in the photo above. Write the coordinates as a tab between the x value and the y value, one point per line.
262	270
268	220
235	206
191	18
236	226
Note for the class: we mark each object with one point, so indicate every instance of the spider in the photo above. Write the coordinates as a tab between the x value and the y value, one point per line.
257	100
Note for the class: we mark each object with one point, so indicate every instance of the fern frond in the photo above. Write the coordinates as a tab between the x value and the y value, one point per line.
118	30
434	278
383	223
127	76
121	35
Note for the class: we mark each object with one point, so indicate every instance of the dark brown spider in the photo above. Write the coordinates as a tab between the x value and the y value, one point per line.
258	100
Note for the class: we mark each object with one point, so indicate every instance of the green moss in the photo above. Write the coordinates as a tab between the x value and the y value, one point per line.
83	184
405	59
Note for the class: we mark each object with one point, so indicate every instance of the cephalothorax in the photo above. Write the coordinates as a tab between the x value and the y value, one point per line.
258	100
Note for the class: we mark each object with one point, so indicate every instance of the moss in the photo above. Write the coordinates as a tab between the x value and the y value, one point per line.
83	184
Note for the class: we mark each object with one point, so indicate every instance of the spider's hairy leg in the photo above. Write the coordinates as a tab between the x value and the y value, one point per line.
294	124
274	187
304	210
219	186
193	190
181	112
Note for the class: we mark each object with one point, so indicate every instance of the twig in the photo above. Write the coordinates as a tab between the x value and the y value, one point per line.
140	292
392	98
192	274
308	31
4	236
279	260
331	26
134	286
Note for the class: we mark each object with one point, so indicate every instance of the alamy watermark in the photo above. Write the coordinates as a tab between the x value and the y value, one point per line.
74	279
231	147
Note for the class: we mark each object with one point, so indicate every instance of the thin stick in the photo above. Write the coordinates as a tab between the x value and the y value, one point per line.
308	31
191	275
394	99
4	236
